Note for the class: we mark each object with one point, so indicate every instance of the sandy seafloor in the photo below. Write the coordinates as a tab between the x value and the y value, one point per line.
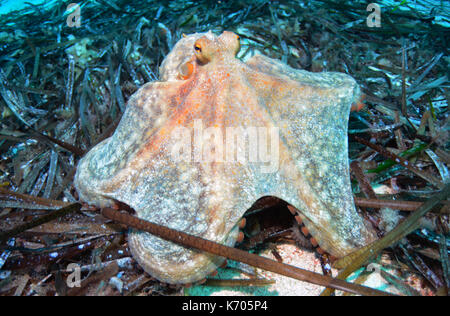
284	286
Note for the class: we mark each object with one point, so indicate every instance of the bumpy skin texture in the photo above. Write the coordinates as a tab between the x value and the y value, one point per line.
202	81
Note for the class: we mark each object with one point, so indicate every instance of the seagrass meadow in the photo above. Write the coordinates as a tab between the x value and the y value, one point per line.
70	71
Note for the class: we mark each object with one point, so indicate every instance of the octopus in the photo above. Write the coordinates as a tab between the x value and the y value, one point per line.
198	148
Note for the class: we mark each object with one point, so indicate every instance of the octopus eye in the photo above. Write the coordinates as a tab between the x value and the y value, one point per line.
203	49
238	38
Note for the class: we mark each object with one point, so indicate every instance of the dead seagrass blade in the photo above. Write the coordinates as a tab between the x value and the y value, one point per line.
194	151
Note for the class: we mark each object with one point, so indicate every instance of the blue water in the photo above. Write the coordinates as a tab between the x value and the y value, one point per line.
7	6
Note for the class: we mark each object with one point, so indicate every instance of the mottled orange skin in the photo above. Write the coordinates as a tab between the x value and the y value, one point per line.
202	80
